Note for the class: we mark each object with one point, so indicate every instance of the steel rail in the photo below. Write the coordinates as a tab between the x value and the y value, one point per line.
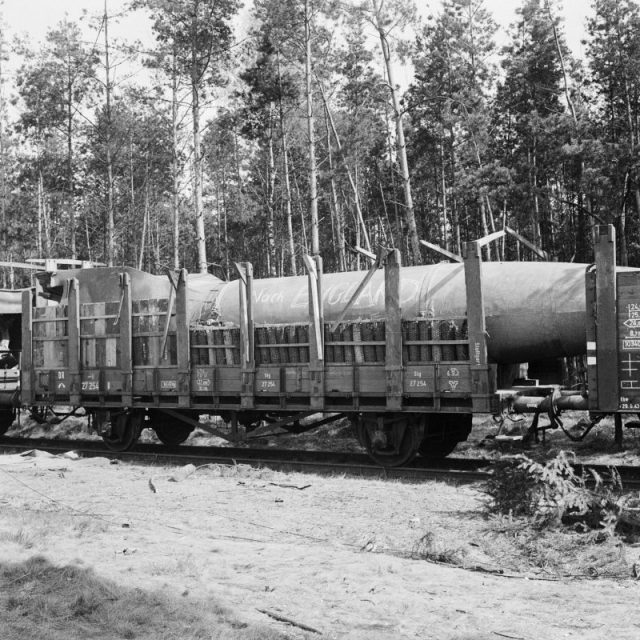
460	470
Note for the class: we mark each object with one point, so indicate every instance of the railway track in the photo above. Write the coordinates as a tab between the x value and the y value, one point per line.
461	470
458	470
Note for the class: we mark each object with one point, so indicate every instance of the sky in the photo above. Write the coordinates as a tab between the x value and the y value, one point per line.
34	17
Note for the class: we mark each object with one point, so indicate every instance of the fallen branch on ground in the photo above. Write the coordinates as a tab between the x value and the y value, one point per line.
280	618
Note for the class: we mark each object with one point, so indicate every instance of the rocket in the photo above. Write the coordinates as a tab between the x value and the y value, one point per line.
533	310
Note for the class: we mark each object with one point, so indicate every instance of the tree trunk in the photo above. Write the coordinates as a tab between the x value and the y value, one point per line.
622	223
287	183
224	209
535	222
354	188
39	245
443	185
175	175
313	193
394	191
87	236
386	215
453	206
156	247
581	233
145	216
271	201
410	218
197	159
303	224
70	185
562	66
485	226
337	211
111	243
130	241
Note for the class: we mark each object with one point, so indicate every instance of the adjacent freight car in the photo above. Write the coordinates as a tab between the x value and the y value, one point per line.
10	348
407	354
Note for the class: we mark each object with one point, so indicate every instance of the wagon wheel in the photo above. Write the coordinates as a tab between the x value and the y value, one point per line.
391	440
7	416
124	430
170	431
443	432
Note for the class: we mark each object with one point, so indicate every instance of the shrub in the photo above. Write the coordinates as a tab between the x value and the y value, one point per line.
553	493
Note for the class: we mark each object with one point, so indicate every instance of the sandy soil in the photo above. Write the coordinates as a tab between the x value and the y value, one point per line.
332	553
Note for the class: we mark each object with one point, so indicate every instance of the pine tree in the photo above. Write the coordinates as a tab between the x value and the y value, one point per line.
614	59
199	31
54	84
531	124
449	109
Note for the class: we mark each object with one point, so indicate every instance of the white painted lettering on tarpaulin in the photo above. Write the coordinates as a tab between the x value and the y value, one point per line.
336	294
268	297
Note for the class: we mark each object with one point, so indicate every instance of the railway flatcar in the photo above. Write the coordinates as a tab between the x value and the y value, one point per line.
407	354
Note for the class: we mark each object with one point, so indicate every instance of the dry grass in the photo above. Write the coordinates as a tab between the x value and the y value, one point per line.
515	545
431	547
40	600
32	529
21	537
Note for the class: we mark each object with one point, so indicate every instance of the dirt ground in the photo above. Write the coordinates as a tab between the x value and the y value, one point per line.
350	558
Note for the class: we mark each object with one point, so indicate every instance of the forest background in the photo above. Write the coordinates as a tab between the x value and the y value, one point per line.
214	143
